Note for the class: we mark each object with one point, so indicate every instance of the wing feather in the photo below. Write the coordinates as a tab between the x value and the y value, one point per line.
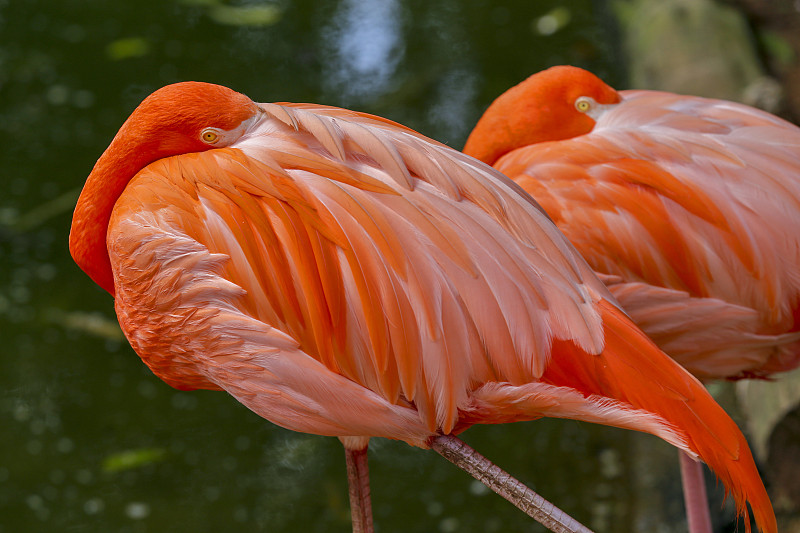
684	194
391	260
679	177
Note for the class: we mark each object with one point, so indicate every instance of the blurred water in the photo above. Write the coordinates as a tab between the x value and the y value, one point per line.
91	440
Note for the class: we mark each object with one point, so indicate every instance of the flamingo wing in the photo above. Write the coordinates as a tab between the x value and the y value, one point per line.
342	247
681	197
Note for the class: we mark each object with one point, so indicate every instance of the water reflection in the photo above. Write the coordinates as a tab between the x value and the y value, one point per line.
365	46
455	93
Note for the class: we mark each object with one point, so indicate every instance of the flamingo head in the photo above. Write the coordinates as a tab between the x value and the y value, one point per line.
558	103
176	119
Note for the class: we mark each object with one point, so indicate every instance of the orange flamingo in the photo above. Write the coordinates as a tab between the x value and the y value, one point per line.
342	275
690	207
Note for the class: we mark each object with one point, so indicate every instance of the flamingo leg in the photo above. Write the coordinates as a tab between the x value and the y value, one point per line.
694	495
358	479
466	458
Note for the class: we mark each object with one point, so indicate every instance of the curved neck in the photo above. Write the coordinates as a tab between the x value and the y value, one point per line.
495	134
529	113
109	177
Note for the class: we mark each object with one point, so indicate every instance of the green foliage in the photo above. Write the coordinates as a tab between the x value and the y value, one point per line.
777	47
127	48
130	459
256	15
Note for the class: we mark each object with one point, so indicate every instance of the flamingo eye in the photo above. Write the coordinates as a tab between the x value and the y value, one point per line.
210	135
584	104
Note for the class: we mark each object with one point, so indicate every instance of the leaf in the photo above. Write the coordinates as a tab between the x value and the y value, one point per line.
253	15
130	459
127	48
40	214
93	323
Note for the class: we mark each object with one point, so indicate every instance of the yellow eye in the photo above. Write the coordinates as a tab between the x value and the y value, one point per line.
583	104
209	136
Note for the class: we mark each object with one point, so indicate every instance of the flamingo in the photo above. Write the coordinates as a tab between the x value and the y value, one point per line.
688	207
340	274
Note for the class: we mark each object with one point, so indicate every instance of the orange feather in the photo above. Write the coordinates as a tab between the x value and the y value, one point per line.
342	275
688	207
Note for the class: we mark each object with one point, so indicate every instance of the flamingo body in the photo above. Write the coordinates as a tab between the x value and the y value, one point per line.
340	274
691	209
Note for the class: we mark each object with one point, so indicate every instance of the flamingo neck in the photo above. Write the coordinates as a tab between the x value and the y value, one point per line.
529	113
108	179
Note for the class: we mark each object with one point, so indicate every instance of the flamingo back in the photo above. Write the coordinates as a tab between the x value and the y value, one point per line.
691	206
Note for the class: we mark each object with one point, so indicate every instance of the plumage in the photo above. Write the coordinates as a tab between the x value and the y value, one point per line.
340	274
386	262
687	208
692	207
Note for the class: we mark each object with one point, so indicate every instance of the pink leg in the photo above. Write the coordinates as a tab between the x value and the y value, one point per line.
694	495
358	478
463	456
